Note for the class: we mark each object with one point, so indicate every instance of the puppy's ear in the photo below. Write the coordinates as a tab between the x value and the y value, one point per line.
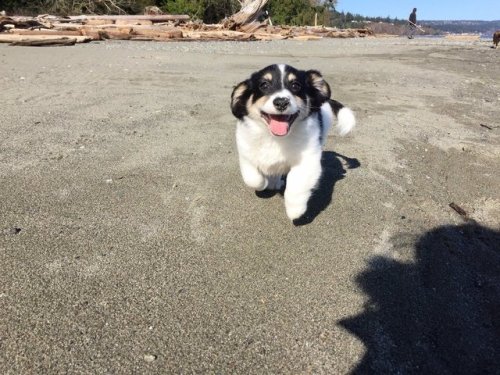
319	89
239	99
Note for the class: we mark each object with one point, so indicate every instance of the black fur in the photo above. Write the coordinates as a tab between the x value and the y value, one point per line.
319	90
321	126
238	104
258	82
336	106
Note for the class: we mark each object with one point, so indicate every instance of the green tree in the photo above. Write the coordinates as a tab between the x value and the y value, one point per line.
299	12
210	11
285	12
72	7
194	8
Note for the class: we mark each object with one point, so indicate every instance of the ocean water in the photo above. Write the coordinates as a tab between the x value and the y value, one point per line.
483	36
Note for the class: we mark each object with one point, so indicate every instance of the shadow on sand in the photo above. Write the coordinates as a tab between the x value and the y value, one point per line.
332	171
439	315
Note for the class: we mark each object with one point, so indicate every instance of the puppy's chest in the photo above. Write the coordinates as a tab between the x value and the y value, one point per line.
272	160
272	156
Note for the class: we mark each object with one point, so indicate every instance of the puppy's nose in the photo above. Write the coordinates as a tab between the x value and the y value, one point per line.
281	103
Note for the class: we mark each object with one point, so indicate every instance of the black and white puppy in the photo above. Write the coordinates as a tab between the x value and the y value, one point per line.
284	115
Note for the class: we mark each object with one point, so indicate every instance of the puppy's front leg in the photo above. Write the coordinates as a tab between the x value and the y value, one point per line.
300	182
252	176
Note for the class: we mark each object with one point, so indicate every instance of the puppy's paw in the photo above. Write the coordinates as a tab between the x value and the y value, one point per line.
256	181
295	210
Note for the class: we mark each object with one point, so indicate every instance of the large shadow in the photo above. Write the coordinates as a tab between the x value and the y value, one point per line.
332	172
439	315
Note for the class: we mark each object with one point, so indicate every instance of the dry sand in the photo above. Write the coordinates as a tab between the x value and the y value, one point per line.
129	243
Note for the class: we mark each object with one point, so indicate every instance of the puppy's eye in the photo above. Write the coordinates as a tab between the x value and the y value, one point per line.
295	86
265	85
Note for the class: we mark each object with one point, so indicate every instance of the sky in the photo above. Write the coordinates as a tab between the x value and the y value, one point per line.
486	10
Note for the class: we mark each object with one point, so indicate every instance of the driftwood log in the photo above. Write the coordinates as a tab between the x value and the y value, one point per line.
249	13
41	40
21	24
152	18
45	42
45	32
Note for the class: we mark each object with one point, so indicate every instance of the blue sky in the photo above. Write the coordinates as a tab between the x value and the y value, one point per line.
486	10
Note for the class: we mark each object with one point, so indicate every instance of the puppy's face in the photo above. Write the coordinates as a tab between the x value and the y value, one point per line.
279	96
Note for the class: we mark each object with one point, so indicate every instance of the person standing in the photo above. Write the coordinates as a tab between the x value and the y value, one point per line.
412	23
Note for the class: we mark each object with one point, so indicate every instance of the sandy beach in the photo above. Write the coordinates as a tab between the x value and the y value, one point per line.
130	244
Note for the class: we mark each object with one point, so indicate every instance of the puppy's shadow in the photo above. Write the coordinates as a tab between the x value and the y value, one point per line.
333	171
266	194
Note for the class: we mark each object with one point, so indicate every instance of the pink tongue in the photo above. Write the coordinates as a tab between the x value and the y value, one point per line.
278	126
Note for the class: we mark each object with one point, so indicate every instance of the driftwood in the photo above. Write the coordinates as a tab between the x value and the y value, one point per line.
242	26
91	22
35	42
169	32
220	35
121	33
158	34
252	27
134	21
250	11
152	18
46	32
41	40
21	24
45	42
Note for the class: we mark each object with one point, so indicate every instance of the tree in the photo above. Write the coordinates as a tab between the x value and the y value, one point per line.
299	12
71	7
285	12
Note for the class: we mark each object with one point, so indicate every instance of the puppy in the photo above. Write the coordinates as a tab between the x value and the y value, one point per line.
284	115
496	39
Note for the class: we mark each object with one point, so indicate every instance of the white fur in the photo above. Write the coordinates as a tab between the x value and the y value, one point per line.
346	121
269	107
264	158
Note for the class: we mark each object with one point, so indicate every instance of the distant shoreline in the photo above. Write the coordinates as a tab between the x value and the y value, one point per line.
458	35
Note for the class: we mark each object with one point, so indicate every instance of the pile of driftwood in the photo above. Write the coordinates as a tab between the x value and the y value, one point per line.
242	26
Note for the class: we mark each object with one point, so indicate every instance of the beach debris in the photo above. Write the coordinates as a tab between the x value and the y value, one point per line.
46	30
489	127
12	231
250	11
150	358
459	210
7	23
486	126
37	42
